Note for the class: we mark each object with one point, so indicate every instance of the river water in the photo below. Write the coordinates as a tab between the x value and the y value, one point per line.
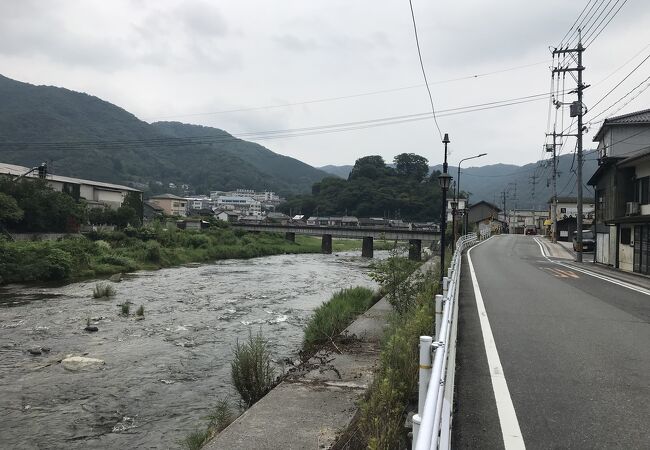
162	375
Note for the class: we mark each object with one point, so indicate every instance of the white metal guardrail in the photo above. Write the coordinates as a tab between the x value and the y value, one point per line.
432	423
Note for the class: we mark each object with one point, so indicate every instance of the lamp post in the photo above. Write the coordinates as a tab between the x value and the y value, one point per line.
458	180
444	180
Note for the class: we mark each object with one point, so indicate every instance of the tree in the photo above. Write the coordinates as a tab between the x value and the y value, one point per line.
412	166
9	209
368	167
44	208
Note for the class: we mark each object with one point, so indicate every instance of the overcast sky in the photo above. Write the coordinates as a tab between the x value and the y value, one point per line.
179	60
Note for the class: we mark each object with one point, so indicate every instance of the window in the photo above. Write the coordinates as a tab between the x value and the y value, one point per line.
562	210
642	190
626	236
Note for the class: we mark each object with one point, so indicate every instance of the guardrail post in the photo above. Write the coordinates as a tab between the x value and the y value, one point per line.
445	285
424	376
438	315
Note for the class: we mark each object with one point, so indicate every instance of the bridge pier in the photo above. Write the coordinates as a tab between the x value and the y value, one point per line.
367	249
326	244
415	249
289	236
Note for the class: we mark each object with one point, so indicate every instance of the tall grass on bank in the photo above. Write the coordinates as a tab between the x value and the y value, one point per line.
382	413
219	419
252	369
333	316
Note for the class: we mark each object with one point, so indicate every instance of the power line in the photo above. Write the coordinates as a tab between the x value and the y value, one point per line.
275	134
424	74
621	82
574	24
345	97
610	19
621	98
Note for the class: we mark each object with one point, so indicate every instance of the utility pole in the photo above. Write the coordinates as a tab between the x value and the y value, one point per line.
534	181
553	148
577	109
505	217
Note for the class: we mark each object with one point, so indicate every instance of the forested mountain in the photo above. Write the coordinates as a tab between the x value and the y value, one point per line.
488	182
83	136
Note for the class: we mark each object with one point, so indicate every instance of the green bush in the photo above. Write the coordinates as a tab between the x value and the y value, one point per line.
125	308
33	261
251	369
115	260
392	274
152	250
196	240
335	315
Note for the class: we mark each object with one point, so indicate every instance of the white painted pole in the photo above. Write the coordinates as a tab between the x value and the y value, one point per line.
438	315
424	377
445	286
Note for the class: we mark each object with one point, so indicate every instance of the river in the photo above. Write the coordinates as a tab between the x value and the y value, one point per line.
162	375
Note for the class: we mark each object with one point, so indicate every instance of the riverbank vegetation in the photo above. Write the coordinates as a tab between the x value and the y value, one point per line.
380	420
252	369
222	416
334	315
104	253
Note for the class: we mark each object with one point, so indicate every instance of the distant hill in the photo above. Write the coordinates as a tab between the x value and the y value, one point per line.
83	136
487	182
339	171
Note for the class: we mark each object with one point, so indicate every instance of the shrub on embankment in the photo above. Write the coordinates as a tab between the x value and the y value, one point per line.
252	369
380	420
145	248
333	316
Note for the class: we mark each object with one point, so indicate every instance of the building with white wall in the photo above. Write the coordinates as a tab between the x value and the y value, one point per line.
96	193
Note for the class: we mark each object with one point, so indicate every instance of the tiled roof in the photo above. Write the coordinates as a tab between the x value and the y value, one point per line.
637	117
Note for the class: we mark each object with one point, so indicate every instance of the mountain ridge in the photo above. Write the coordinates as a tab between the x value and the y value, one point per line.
81	135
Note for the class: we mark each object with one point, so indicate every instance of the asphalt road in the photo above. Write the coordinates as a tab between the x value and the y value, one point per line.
574	351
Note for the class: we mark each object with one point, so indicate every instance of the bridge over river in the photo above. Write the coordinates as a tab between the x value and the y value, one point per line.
368	234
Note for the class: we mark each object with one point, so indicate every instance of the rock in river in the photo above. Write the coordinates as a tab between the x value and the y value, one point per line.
91	328
35	351
116	278
76	363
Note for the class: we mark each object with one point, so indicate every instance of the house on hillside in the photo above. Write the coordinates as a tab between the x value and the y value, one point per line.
172	205
622	185
95	193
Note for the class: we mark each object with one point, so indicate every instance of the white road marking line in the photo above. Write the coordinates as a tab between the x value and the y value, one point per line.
595	275
512	438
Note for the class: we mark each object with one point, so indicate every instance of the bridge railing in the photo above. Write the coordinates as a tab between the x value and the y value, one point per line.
432	423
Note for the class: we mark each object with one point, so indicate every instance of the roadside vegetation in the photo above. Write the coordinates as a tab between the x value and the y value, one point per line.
382	414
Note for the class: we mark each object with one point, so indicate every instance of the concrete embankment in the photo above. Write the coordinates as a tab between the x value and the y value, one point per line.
316	403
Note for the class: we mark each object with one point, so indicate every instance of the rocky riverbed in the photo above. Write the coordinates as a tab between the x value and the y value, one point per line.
148	383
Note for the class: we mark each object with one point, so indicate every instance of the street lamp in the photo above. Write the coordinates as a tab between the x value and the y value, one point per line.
458	185
444	180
